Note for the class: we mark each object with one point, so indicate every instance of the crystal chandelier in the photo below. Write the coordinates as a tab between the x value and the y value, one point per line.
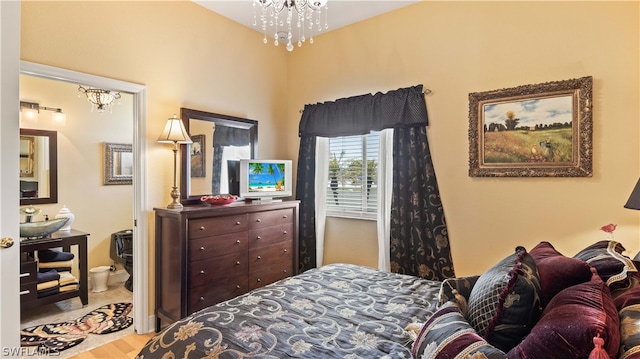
99	98
277	15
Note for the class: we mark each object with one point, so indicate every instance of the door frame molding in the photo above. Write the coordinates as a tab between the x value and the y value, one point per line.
141	322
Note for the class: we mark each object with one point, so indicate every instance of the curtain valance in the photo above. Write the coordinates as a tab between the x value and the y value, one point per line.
359	115
231	136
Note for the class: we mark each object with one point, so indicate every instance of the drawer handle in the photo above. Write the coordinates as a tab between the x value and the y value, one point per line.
238	286
202	272
258	237
238	223
202	248
258	220
259	280
284	271
238	241
202	299
285	216
284	250
24	275
238	263
259	257
284	232
201	228
25	292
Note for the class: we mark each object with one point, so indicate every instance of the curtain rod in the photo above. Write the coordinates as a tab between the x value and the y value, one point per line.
424	92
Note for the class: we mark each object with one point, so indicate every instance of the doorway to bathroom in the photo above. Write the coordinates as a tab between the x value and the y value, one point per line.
100	209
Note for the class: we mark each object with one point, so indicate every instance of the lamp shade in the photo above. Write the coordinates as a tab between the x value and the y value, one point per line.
634	200
174	132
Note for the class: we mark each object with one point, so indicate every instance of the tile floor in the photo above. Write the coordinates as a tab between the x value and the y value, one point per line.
72	309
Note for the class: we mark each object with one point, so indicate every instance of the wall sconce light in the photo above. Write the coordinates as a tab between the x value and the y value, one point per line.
100	99
30	111
174	132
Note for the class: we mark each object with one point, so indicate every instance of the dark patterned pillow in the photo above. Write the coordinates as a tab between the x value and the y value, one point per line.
556	271
505	302
457	290
447	335
628	305
570	322
607	258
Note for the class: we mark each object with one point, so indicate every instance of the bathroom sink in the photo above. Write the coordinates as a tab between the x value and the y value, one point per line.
32	230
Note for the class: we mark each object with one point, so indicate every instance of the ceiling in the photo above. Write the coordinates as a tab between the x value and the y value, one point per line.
340	13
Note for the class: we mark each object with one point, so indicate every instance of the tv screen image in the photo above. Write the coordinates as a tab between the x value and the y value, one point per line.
265	179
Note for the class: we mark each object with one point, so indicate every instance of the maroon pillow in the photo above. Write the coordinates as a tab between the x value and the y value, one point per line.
570	322
556	271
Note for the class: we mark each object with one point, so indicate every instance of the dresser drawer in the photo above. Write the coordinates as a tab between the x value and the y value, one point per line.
209	271
206	227
264	256
28	272
270	274
207	295
270	235
270	218
208	247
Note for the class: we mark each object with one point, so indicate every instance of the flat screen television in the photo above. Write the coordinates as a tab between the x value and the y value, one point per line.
265	180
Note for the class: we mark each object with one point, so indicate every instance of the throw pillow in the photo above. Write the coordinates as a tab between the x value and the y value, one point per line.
571	321
607	258
447	335
505	302
556	271
628	305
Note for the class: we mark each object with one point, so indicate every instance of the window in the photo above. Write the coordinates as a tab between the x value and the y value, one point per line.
353	167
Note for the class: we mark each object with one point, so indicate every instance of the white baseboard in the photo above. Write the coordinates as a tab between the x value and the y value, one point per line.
119	276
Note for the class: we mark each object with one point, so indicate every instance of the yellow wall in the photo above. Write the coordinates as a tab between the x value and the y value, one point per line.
99	210
190	57
455	48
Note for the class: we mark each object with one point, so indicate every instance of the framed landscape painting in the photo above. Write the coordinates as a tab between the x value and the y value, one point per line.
542	130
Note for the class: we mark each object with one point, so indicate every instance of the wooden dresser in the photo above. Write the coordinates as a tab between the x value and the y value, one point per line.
208	254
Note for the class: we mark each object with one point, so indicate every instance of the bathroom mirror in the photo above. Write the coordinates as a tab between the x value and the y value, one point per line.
217	139
38	166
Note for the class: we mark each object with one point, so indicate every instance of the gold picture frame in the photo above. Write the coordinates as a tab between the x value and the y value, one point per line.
542	130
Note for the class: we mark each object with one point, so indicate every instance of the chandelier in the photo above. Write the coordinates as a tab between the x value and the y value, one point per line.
99	98
277	16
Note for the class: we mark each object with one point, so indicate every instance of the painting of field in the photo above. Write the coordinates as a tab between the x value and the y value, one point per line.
528	146
529	131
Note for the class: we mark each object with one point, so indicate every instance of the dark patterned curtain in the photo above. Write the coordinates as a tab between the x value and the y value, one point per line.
405	111
419	239
306	194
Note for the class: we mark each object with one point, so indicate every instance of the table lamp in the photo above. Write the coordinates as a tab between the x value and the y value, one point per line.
634	203
174	132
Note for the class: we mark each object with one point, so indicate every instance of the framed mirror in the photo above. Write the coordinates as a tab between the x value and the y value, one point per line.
118	163
38	166
218	141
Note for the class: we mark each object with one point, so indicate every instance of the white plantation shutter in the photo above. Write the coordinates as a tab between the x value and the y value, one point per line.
352	183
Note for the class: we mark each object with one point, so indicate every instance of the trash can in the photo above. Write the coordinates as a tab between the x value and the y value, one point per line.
99	278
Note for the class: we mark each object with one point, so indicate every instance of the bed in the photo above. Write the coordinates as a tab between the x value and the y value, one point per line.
335	311
536	304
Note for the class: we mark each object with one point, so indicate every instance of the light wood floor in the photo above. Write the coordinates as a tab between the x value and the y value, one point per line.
123	348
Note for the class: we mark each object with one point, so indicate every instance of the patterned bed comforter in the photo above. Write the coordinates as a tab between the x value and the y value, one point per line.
336	311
